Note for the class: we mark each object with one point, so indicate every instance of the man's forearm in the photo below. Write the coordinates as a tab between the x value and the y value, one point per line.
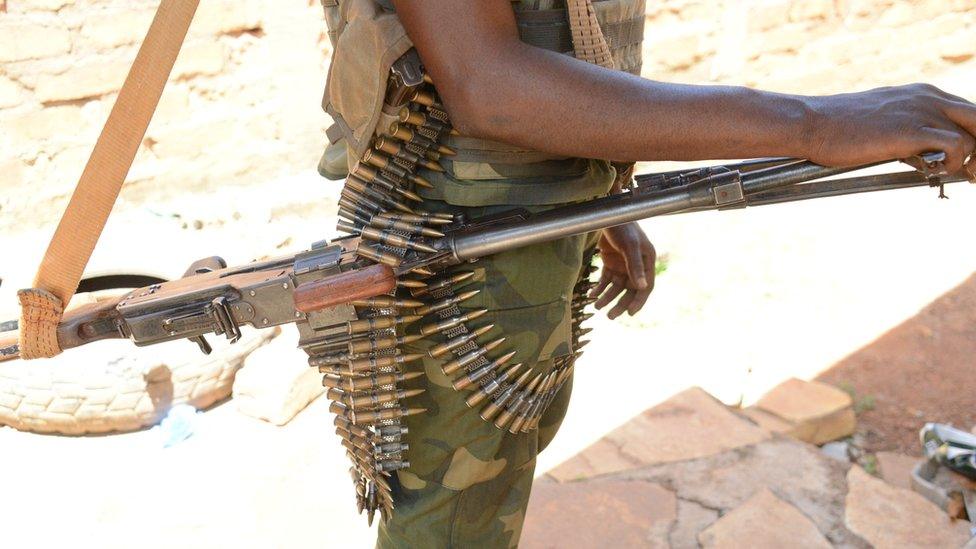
592	112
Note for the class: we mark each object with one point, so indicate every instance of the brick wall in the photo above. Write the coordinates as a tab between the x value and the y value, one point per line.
243	106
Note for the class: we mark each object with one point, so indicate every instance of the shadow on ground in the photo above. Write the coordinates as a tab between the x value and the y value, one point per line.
920	371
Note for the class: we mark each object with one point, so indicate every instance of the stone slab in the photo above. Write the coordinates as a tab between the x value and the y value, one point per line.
689	425
763	521
890	517
276	382
896	469
819	413
598	513
796	472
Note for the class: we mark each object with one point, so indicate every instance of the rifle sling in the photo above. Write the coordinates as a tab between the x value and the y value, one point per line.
98	188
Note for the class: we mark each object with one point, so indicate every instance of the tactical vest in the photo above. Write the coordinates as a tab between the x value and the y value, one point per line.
368	38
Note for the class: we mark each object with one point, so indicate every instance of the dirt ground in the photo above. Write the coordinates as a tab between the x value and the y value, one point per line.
920	371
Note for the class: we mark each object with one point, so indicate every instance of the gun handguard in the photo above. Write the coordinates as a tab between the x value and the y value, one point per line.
363	283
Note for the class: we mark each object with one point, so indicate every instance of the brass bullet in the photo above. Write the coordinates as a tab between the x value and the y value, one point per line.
419	119
411	284
482	392
583	317
370	417
497	403
405	134
378	160
515	406
468	380
350	205
376	343
442	349
385	301
422	271
361	199
453	366
378	256
452	322
375	400
391	147
374	363
581	344
354	217
424	98
369	382
383	222
381	198
379	323
395	240
447	302
582	332
370	174
535	401
443	283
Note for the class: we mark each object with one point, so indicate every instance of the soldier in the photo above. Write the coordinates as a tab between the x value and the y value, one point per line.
528	121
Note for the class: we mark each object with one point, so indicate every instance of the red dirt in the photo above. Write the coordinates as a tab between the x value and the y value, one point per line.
920	371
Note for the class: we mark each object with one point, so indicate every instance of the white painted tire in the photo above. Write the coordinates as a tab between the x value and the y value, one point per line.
112	386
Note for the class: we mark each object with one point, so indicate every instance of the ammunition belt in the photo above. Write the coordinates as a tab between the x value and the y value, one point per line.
364	361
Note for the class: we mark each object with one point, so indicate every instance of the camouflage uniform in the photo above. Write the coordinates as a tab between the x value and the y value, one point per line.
469	482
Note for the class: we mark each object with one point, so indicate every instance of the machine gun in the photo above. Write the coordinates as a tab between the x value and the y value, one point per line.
319	288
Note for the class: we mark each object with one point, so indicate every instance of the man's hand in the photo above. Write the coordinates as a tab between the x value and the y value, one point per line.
628	268
896	122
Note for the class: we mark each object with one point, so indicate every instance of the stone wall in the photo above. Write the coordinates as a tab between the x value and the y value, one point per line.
808	46
243	104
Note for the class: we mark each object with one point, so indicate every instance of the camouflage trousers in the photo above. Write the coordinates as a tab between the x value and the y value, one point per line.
469	482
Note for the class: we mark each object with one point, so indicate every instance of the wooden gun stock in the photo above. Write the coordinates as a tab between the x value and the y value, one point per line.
343	288
90	321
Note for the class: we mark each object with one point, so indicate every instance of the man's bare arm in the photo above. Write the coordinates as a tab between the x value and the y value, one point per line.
497	87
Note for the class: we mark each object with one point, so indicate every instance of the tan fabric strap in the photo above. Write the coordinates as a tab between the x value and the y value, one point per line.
589	44
98	188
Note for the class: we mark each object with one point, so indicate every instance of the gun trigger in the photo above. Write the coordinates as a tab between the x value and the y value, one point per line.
203	344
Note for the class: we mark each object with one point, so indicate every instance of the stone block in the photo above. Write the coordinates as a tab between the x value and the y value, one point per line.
763	521
20	41
226	17
896	469
49	5
82	82
276	382
598	514
822	10
118	28
893	518
200	58
689	425
818	412
10	93
958	48
47	123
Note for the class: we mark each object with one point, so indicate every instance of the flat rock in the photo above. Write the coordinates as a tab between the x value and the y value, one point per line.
796	472
598	513
276	382
689	425
692	518
890	517
763	521
818	412
896	469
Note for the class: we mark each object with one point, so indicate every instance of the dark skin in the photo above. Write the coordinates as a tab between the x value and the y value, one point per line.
592	112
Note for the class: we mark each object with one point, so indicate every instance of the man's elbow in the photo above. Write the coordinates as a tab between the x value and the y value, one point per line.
471	108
